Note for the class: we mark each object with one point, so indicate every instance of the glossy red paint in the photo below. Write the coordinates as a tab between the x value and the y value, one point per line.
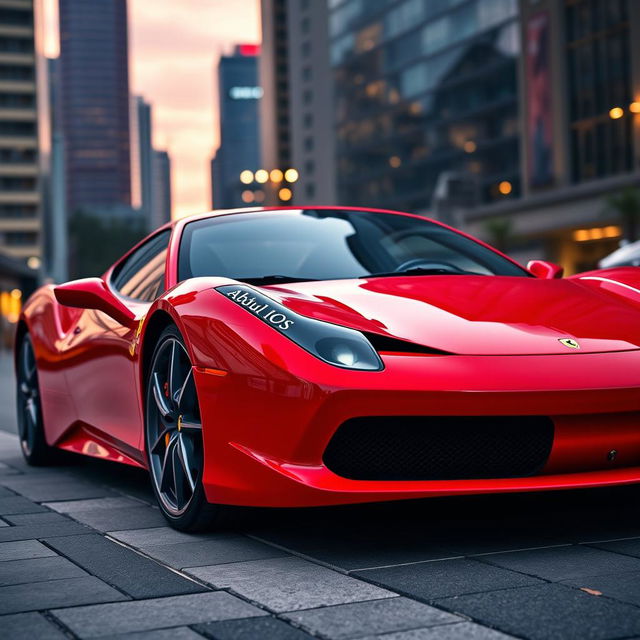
269	408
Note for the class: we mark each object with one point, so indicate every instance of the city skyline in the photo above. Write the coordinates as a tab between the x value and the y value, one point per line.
186	118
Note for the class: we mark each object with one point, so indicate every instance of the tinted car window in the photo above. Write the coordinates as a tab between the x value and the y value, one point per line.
141	275
327	245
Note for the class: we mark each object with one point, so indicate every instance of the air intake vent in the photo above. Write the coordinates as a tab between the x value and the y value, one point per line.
440	448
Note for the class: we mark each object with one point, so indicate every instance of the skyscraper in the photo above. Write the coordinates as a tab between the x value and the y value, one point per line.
239	94
143	161
161	189
275	120
19	193
95	102
426	97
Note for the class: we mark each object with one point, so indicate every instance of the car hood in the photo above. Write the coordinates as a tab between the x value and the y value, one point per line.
473	315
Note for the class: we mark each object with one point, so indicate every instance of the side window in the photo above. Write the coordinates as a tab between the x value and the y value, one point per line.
141	275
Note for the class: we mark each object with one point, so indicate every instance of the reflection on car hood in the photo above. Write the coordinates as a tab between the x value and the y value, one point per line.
475	315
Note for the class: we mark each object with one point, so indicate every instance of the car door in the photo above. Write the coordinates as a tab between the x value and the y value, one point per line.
102	374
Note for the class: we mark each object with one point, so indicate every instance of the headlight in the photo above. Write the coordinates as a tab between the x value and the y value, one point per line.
339	346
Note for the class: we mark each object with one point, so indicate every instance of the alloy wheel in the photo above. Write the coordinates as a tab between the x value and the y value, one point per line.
174	428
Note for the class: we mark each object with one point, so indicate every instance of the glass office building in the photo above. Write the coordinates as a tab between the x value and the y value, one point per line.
239	95
94	107
425	89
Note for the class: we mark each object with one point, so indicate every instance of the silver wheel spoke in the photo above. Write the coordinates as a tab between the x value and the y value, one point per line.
159	441
184	461
178	477
180	394
159	397
167	469
173	376
189	425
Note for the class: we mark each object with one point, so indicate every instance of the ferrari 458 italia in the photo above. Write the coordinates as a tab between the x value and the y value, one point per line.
321	356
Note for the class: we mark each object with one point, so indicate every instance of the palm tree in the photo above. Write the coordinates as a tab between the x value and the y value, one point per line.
626	204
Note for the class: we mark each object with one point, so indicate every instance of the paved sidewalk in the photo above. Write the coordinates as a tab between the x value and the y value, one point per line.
85	553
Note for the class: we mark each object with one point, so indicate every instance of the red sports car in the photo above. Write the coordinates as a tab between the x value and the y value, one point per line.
317	356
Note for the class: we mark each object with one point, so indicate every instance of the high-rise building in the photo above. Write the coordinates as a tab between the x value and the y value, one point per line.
239	94
161	189
19	188
95	103
426	101
580	133
275	122
311	108
142	158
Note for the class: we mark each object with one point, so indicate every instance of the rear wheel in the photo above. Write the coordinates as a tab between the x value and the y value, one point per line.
174	437
29	409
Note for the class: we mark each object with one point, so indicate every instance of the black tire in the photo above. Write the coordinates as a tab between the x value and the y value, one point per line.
173	436
33	443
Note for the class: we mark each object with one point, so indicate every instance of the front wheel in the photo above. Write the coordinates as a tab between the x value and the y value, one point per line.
173	435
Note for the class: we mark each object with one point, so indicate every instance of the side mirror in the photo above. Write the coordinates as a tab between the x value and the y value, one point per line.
545	270
93	293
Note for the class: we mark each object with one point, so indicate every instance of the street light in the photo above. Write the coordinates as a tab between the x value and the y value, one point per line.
291	175
276	175
285	194
246	176
261	176
505	188
616	113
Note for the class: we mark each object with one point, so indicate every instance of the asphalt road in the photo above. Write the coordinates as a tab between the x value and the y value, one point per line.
84	553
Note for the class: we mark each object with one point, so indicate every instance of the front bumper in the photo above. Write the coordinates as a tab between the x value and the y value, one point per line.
266	429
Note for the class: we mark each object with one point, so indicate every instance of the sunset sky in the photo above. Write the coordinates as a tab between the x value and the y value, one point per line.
174	46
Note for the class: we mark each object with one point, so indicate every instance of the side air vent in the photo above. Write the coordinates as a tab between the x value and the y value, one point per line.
385	343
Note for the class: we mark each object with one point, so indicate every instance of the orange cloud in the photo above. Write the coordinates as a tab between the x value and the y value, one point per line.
174	49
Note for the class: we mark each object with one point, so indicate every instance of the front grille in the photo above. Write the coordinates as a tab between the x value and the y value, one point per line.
440	447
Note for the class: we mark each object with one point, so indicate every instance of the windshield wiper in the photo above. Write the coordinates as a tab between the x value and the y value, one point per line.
274	279
418	271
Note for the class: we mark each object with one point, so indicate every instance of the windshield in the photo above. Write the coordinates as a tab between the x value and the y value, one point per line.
329	245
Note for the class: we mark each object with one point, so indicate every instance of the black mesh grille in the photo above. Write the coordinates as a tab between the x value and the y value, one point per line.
440	448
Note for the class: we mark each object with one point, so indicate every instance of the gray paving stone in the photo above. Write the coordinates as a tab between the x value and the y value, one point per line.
619	586
71	506
36	518
67	592
143	538
373	617
130	572
459	631
119	519
209	552
289	584
630	547
108	619
3	523
32	531
251	629
175	633
442	578
6	470
28	626
350	550
37	570
23	549
42	490
549	611
6	493
18	504
564	563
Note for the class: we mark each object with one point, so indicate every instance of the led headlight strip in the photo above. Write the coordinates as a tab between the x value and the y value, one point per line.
338	346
